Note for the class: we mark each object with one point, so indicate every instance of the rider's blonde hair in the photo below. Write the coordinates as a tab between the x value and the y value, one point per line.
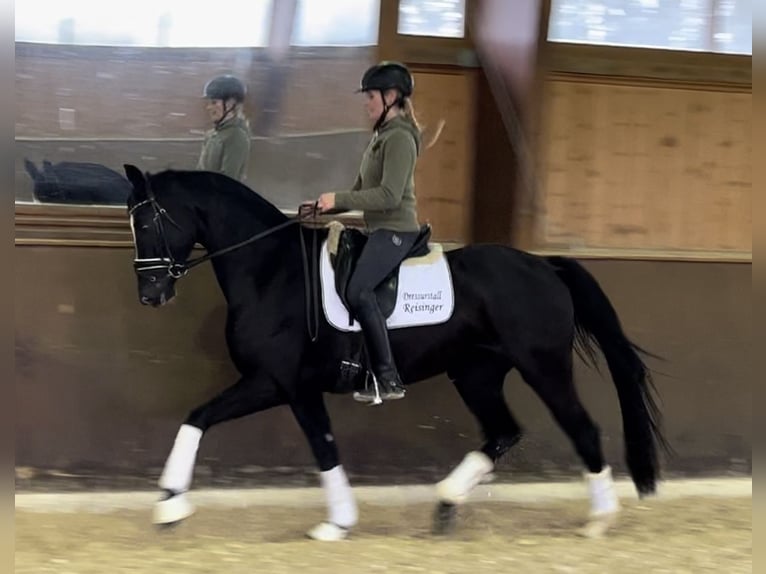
409	113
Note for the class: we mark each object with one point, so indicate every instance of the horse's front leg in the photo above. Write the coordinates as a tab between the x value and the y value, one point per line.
249	395
342	512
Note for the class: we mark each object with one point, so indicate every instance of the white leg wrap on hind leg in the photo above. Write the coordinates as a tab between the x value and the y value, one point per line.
341	505
604	503
603	497
461	481
177	474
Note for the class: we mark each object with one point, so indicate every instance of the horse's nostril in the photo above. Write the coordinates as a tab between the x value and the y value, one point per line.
144	300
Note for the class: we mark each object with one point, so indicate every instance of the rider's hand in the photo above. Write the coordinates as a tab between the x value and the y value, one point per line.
326	202
307	208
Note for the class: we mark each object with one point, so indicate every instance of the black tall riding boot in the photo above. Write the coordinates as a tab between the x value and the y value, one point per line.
373	325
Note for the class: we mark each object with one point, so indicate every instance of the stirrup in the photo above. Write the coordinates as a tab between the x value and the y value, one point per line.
369	395
374	395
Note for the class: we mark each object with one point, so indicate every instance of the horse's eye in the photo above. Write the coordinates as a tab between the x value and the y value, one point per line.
152	278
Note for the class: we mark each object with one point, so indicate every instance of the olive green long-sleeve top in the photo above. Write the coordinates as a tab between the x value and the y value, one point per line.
385	188
226	149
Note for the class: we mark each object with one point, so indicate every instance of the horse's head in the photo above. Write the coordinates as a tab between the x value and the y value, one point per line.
163	234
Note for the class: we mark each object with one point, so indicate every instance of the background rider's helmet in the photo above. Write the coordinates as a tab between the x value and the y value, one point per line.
225	87
387	75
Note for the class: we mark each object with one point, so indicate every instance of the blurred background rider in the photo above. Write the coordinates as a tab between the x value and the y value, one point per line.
226	148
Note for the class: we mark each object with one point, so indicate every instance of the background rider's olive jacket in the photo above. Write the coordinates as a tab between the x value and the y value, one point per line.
385	187
226	148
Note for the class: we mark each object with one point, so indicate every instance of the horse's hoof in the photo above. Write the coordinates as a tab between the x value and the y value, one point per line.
172	510
444	518
598	526
167	527
328	532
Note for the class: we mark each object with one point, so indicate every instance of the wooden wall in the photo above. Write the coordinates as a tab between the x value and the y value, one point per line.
644	166
102	383
444	176
445	89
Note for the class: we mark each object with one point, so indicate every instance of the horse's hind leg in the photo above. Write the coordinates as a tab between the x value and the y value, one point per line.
249	395
311	414
550	376
480	384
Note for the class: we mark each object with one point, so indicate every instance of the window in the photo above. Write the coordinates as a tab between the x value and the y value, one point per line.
693	25
336	23
733	31
184	24
444	18
143	23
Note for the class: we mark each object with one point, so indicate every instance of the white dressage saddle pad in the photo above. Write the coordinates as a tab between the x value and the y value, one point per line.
425	295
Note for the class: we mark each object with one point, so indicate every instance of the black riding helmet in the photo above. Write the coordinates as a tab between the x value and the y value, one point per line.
224	88
387	76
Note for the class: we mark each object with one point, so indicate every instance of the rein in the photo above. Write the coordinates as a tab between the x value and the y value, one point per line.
177	269
196	261
311	279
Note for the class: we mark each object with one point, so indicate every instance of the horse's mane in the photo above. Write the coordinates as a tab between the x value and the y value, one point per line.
221	185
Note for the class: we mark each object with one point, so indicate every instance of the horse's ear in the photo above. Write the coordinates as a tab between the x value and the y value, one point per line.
32	170
136	178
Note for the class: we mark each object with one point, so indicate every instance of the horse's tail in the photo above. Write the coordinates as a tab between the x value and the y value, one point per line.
596	321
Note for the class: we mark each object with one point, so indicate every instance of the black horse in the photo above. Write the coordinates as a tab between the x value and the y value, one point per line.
75	182
511	310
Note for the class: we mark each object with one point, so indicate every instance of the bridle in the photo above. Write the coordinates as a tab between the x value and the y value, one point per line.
169	263
176	269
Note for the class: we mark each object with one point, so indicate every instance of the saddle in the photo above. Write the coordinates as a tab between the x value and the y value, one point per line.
343	258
